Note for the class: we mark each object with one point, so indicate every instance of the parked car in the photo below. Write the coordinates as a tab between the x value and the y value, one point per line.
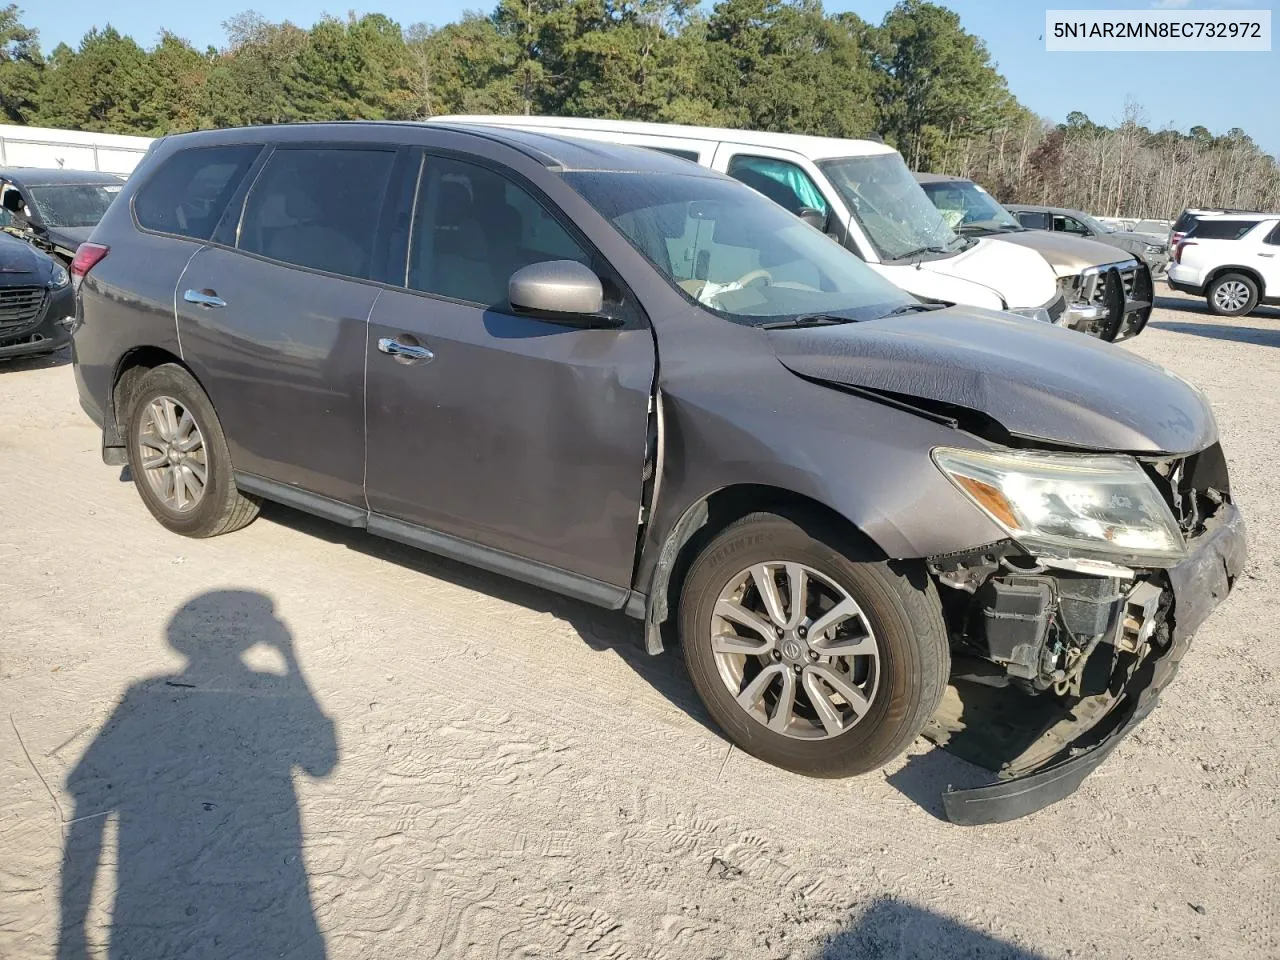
55	210
37	305
641	384
1187	219
1154	252
1233	261
859	192
1107	297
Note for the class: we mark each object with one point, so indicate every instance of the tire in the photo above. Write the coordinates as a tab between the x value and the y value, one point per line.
1232	295
218	506
897	605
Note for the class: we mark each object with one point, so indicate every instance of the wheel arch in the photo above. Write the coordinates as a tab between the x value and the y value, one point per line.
132	366
712	513
1249	272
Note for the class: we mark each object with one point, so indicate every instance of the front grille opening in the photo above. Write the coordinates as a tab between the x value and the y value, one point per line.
19	306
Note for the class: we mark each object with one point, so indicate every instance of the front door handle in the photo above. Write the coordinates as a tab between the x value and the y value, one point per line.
1266	254
404	351
206	298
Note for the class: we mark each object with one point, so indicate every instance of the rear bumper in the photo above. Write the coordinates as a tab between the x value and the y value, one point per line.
1199	583
1184	286
50	332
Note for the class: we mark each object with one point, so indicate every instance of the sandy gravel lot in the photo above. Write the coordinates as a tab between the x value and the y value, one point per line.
410	759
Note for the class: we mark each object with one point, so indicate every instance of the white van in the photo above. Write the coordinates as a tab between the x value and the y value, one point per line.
858	191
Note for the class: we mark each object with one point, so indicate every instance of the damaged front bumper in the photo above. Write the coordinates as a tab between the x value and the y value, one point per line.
1198	584
1111	302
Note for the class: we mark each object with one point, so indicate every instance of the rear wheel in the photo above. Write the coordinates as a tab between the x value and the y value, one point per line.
809	658
1232	295
179	459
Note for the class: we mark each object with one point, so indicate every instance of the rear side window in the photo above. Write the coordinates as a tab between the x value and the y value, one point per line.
318	208
1222	229
473	228
1035	220
187	194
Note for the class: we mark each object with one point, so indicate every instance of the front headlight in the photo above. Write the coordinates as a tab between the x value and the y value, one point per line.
1067	505
60	277
1033	313
1153	248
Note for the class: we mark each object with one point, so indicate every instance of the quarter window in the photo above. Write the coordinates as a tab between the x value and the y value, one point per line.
1221	229
318	208
782	182
1274	237
473	228
187	194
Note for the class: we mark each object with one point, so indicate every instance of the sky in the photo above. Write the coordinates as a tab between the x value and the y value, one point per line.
1216	90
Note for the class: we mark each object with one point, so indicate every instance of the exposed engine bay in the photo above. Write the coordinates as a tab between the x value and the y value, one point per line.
1046	649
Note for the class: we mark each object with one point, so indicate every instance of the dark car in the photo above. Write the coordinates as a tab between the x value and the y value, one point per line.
639	383
37	306
55	210
1155	253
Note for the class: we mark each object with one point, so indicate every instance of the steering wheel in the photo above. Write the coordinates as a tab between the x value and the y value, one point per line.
751	276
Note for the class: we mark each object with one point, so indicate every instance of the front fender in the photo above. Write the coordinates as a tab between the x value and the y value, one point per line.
865	461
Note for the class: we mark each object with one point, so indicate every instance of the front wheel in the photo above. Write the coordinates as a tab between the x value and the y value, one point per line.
1232	295
806	657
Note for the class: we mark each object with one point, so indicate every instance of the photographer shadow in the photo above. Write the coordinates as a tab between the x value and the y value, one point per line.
197	770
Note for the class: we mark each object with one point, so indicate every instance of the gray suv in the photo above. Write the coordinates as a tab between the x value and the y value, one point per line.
637	382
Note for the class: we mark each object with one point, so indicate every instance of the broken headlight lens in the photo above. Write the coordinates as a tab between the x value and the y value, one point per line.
1065	505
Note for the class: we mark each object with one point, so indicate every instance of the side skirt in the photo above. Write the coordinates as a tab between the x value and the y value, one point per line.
551	578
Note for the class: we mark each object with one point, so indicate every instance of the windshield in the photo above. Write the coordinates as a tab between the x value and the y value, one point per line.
735	252
73	204
963	204
890	206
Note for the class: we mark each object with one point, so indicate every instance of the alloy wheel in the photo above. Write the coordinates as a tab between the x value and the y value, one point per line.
1231	295
795	650
172	454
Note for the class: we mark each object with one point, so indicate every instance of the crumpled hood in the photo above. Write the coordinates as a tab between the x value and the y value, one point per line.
1067	254
1020	276
1038	381
69	237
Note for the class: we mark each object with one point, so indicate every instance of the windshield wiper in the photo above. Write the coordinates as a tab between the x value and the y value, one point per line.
912	308
807	320
921	251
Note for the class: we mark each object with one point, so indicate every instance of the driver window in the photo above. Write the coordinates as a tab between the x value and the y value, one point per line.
782	182
1070	225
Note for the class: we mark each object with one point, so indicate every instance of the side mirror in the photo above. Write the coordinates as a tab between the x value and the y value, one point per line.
13	201
562	291
813	217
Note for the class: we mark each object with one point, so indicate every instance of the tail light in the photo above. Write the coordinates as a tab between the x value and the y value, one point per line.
87	257
1177	251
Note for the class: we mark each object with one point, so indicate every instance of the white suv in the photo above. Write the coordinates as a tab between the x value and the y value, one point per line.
1232	260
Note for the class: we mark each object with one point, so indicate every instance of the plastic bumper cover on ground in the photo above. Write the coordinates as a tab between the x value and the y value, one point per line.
1199	584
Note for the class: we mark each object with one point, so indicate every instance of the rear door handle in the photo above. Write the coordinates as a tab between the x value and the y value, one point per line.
1266	254
404	351
206	298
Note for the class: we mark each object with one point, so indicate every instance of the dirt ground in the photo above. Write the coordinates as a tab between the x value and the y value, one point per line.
413	759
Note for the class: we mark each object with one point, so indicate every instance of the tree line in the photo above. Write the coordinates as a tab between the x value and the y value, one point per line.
917	79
